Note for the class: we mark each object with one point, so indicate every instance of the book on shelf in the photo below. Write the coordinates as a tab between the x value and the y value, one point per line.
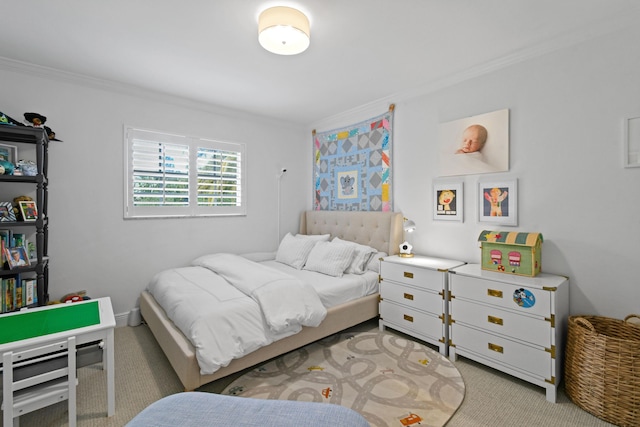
5	241
18	300
19	239
8	293
30	290
18	292
5	235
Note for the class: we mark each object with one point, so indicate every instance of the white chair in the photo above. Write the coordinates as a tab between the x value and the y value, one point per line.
37	377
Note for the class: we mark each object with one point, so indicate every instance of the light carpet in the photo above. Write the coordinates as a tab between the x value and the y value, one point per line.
390	380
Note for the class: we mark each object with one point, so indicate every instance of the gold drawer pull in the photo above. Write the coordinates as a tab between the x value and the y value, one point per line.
494	320
408	275
408	318
408	296
494	293
496	348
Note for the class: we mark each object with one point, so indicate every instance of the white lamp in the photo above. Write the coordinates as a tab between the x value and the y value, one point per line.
279	178
405	247
283	30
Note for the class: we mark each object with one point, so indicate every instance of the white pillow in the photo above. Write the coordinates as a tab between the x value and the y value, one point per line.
294	251
330	258
316	237
361	257
374	262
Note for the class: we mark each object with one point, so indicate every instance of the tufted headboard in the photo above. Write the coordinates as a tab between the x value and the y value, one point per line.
380	230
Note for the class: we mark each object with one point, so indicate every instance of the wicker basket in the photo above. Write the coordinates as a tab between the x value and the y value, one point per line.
602	367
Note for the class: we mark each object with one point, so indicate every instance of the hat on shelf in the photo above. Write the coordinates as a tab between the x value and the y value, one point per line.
35	119
51	134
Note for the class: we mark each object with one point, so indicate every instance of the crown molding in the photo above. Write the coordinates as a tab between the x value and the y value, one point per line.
55	74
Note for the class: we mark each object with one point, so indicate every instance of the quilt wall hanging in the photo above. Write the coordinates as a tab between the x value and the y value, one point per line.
352	166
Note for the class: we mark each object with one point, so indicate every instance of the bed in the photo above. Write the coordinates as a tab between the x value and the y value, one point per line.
379	230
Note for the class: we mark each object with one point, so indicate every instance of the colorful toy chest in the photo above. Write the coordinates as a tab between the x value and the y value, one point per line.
511	252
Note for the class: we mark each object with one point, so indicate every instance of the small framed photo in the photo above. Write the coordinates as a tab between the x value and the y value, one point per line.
6	212
448	200
28	210
9	153
16	257
498	201
632	142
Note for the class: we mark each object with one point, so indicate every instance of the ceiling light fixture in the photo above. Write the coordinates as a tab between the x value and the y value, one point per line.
283	30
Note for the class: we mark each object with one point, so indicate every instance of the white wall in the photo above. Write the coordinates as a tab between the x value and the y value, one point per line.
566	114
90	244
566	150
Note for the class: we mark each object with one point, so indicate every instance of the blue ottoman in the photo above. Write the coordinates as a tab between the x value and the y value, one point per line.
208	409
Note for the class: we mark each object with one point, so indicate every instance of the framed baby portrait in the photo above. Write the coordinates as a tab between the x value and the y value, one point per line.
498	201
448	200
474	145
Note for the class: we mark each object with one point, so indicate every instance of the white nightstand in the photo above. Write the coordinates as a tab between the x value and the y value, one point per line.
511	323
413	297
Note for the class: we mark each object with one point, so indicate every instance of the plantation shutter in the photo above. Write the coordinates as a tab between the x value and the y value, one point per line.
160	174
219	173
172	175
220	176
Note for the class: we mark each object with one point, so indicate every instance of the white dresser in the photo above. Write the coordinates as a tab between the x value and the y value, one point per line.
413	296
512	323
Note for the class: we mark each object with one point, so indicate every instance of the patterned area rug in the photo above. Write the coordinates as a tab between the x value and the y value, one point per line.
390	380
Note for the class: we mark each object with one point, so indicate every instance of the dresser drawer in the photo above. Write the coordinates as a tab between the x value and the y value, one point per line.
524	299
519	356
421	277
419	322
412	297
492	319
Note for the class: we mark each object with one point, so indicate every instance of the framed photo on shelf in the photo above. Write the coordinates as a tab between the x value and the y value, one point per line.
28	210
16	257
448	200
9	153
632	142
498	201
6	212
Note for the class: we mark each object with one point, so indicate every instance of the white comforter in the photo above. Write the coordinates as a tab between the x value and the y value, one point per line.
221	312
287	302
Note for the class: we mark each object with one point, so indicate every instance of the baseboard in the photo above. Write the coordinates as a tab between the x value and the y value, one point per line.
130	318
122	319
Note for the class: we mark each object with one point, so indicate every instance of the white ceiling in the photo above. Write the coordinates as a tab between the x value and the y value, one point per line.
361	50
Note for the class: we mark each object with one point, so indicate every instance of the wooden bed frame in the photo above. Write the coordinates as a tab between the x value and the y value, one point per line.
380	230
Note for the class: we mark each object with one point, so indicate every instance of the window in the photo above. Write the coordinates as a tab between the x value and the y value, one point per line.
173	175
